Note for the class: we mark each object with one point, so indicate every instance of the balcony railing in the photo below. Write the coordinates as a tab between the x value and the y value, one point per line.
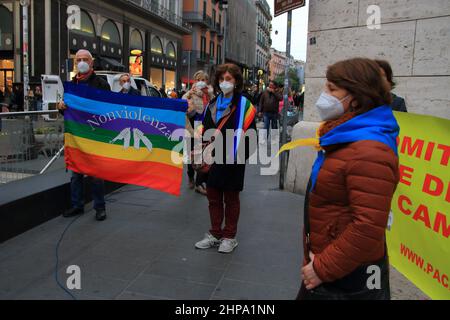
203	20
164	13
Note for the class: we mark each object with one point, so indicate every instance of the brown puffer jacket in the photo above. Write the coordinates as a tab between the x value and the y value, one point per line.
349	207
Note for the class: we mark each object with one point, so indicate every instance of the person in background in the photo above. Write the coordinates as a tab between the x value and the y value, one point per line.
173	94
125	84
17	98
281	103
86	76
38	98
163	92
226	180
255	96
398	103
198	98
269	103
351	187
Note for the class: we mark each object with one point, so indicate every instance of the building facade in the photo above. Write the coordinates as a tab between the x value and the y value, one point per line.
299	66
240	36
204	48
277	63
263	41
140	36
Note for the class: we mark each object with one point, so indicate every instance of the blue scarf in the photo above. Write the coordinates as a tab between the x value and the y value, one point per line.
221	105
378	124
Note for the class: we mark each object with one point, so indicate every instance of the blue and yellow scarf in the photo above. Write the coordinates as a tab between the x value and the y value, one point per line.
378	124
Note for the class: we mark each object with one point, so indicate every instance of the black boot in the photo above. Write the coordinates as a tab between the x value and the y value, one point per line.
72	212
100	214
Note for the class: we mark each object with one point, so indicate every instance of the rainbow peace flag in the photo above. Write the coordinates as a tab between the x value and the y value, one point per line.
124	138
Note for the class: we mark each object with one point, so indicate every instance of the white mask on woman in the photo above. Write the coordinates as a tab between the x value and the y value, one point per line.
330	107
226	87
201	85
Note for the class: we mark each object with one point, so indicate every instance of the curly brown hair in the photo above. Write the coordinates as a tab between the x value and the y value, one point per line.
361	77
235	71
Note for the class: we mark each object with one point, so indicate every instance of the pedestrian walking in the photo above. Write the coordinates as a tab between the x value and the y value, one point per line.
86	76
352	183
398	103
230	111
269	104
198	98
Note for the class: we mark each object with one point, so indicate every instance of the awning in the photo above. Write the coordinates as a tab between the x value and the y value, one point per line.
109	63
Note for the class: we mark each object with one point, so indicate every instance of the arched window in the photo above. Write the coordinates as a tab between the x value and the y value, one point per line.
157	46
110	32
6	20
136	42
87	26
170	51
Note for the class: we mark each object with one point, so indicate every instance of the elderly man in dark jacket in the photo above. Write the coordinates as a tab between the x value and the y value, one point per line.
86	76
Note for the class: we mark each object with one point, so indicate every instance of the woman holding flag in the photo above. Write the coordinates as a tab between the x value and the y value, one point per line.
229	111
351	186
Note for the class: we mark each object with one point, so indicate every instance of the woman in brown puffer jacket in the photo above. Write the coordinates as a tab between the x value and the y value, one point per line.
351	187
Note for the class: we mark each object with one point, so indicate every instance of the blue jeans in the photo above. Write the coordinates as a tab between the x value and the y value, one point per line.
76	189
270	118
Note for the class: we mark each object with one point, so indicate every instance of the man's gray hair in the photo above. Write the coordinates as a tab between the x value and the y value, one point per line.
86	52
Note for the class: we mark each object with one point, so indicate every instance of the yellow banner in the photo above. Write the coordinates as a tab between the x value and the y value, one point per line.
418	236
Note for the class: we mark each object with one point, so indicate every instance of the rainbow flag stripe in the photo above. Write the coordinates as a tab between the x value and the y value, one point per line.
124	138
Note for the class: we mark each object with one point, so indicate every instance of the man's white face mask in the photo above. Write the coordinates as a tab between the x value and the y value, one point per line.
126	86
83	67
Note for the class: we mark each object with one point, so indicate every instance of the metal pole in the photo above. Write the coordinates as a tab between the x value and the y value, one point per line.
189	71
26	75
283	165
225	7
52	160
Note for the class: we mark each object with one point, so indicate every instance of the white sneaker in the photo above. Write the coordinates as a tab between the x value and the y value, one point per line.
227	245
208	242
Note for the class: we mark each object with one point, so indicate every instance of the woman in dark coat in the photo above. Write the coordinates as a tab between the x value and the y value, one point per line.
231	111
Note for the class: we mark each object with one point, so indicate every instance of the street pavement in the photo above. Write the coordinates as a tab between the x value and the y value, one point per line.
145	249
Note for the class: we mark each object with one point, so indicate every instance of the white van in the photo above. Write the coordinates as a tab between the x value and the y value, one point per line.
53	89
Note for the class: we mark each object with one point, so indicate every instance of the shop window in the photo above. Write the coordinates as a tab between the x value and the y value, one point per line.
87	26
157	46
170	51
110	32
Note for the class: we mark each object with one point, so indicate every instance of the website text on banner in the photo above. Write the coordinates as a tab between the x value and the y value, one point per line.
123	138
418	240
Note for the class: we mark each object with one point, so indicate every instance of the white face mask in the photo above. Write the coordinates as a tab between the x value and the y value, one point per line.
126	86
200	85
330	107
226	87
83	67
